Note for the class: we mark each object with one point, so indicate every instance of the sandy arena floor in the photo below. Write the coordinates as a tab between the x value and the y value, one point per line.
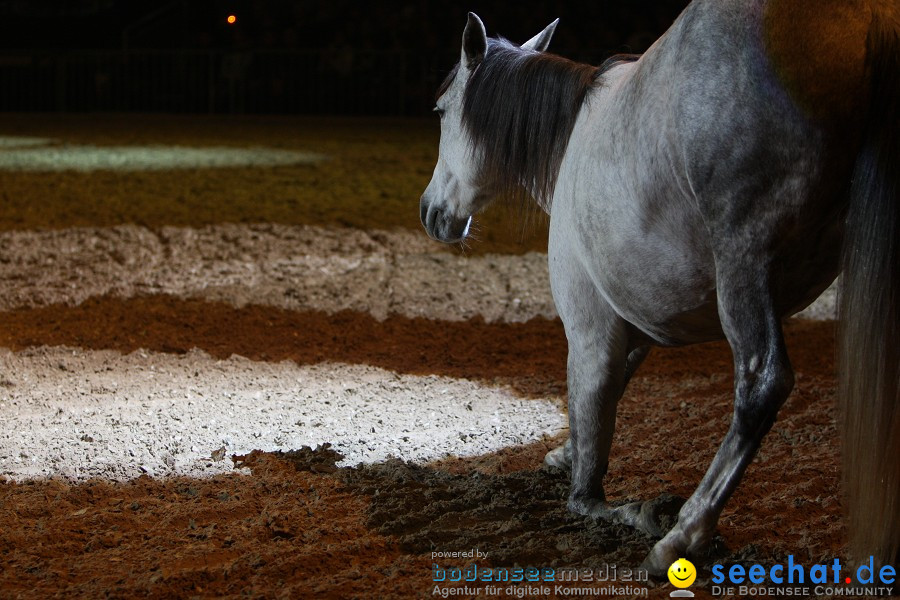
191	303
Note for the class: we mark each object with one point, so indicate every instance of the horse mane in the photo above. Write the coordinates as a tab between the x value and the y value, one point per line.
520	107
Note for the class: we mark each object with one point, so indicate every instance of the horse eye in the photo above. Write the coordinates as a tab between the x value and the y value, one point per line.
439	111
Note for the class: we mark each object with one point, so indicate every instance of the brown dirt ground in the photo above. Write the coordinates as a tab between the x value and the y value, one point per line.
298	527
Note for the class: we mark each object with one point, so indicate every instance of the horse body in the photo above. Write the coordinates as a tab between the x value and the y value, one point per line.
698	158
700	193
715	219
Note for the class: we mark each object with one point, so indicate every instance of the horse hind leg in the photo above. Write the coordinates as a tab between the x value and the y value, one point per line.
763	380
561	457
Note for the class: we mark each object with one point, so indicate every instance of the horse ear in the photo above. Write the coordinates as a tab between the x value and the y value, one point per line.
540	42
474	42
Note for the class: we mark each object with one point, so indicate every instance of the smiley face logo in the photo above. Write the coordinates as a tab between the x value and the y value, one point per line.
682	573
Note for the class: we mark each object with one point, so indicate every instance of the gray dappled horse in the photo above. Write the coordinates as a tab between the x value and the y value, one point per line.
707	189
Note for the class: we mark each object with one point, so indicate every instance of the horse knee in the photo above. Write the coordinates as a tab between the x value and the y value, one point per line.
760	393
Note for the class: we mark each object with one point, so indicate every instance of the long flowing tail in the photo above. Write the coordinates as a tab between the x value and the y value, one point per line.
869	353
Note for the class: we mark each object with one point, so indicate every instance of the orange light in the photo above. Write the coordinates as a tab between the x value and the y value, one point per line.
231	19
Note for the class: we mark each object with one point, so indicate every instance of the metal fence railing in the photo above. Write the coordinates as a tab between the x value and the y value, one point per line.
269	81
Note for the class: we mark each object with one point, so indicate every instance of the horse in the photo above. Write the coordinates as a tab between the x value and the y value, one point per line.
706	189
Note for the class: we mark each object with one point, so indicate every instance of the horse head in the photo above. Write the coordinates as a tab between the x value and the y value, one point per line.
458	188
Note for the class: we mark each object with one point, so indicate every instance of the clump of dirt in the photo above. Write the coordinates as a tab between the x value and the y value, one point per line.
321	460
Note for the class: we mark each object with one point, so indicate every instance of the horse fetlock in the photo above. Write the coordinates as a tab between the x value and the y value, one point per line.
635	515
589	506
652	517
697	526
699	540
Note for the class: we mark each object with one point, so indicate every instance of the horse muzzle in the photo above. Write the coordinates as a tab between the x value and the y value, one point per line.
442	226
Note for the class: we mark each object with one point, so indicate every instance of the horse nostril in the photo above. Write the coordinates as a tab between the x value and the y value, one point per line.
423	210
430	218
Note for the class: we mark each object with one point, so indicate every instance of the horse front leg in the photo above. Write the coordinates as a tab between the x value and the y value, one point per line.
596	368
601	361
763	380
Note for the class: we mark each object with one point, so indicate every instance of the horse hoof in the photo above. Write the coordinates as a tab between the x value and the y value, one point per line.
655	566
561	457
661	557
676	544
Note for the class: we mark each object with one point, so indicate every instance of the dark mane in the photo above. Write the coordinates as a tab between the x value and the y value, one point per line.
520	107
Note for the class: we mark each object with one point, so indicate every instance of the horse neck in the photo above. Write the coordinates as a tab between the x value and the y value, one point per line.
519	109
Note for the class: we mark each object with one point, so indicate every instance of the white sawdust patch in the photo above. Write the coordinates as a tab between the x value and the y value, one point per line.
79	414
31	154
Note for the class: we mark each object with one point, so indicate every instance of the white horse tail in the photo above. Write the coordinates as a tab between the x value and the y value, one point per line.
869	353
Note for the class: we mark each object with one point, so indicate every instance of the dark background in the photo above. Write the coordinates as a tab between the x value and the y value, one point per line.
280	56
